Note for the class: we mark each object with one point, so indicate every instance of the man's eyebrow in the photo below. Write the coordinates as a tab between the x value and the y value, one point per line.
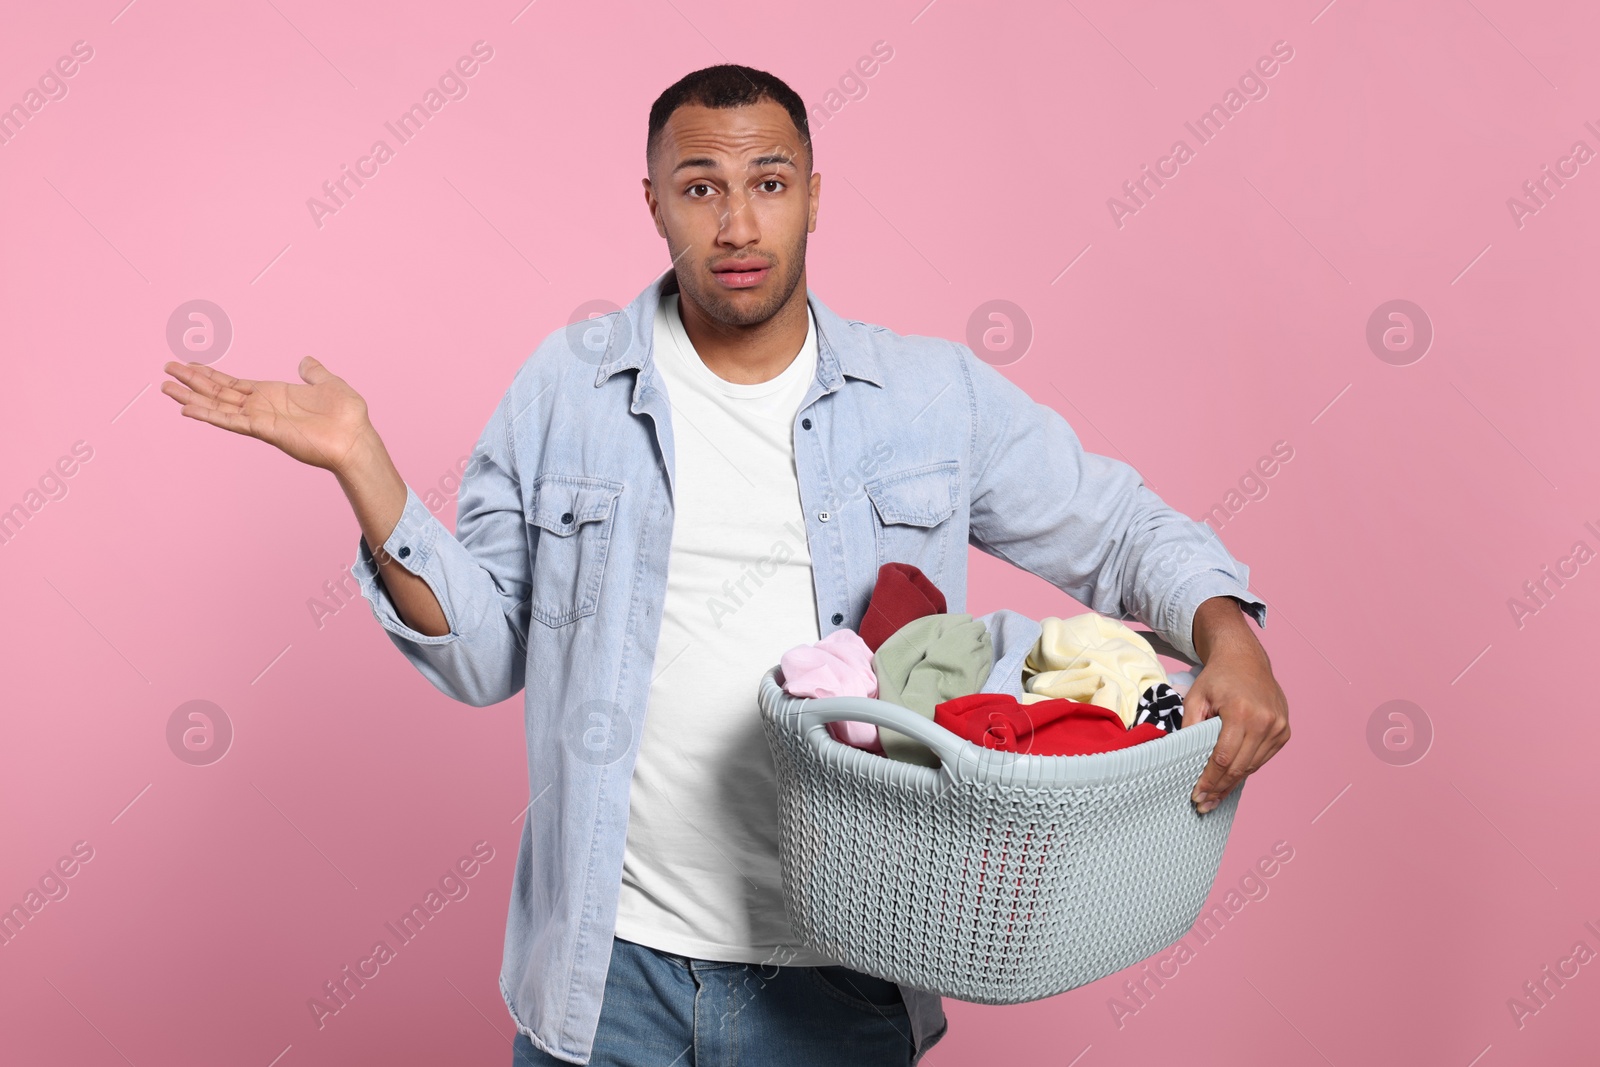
773	159
769	160
698	161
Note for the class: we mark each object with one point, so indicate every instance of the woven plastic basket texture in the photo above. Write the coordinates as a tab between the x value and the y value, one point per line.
994	878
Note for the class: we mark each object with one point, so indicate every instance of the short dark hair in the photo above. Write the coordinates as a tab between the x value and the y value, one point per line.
727	85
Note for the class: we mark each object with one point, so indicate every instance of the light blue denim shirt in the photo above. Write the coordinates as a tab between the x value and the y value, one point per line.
907	449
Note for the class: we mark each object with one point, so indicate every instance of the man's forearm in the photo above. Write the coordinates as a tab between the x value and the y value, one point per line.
1220	628
377	494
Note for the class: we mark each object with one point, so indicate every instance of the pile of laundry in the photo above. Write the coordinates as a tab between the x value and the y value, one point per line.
1056	687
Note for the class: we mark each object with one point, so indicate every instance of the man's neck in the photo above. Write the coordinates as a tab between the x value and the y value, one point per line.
748	355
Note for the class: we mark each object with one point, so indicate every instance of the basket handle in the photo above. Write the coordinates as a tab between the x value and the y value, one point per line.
819	711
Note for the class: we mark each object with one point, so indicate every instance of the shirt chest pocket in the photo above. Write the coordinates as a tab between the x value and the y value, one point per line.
910	515
573	518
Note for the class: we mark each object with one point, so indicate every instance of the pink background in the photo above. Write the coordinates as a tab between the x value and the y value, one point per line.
1227	315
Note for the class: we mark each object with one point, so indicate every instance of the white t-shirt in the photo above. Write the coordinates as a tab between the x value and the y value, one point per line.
700	873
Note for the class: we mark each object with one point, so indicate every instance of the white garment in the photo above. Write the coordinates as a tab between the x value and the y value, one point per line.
700	874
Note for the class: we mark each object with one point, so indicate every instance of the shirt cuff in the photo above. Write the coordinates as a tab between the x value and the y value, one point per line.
411	547
1188	598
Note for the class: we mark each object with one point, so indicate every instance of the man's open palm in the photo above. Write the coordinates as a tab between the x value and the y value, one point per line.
320	423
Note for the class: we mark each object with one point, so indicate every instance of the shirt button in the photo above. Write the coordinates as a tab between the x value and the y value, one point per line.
566	517
837	618
405	550
805	423
824	516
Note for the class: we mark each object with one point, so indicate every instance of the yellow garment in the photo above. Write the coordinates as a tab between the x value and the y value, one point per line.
1090	659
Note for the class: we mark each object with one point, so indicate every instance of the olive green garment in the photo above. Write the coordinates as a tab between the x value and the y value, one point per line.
924	663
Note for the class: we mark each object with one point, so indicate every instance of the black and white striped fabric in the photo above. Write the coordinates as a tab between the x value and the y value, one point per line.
1162	706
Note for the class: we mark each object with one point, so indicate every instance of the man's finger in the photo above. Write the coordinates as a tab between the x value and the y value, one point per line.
182	393
313	372
1270	746
223	388
227	381
237	421
1223	755
1237	770
190	374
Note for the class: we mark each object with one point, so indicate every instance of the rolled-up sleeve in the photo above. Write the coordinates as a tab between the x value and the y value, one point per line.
480	575
1087	523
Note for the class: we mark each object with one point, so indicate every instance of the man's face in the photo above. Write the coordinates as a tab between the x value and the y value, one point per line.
729	192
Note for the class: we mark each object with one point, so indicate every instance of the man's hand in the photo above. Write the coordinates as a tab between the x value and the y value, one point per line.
323	423
1238	685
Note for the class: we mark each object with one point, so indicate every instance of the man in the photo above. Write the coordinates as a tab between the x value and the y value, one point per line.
665	500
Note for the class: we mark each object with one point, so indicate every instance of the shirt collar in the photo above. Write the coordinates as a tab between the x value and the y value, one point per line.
840	353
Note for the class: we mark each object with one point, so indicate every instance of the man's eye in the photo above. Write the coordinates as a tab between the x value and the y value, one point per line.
772	181
699	185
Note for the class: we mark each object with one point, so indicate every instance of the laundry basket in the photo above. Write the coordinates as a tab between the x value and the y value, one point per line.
996	878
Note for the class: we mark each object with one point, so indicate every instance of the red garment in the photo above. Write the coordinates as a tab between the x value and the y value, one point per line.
901	594
1048	728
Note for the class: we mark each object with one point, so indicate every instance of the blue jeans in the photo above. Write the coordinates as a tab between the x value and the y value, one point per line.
664	1010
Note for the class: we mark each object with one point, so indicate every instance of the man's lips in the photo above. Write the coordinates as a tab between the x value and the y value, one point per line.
741	273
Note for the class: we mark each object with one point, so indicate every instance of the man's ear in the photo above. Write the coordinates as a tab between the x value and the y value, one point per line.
654	206
815	183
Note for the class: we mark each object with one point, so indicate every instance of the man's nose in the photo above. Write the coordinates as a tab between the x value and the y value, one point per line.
739	221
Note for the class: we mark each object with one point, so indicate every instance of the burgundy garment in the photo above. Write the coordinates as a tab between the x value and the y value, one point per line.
901	594
1047	728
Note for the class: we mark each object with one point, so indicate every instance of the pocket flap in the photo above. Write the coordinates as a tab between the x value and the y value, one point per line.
563	502
922	496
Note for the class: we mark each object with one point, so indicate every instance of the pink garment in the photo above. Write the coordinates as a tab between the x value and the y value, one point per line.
839	665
